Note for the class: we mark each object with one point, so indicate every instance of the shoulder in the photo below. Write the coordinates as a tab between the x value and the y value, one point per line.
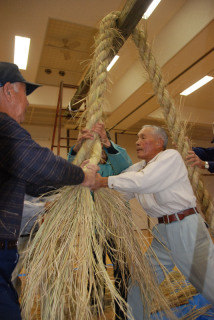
168	153
171	152
11	128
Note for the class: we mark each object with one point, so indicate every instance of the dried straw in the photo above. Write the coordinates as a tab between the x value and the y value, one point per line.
183	291
65	259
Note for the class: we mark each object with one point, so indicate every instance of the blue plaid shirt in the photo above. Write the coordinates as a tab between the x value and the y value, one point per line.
26	167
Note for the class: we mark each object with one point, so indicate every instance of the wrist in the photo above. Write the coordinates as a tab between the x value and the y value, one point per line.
104	182
76	147
106	143
206	165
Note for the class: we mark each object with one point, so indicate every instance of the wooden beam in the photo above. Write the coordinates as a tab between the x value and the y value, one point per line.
130	15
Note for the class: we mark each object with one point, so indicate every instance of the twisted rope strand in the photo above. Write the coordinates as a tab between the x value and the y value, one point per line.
102	56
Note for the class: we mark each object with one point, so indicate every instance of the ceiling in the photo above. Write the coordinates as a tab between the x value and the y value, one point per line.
62	37
66	52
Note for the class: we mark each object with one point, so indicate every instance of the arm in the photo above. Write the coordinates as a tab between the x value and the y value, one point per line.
28	161
117	155
71	154
119	160
166	169
83	135
198	156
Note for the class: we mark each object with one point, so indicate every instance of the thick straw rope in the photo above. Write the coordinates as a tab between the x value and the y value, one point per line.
175	124
95	101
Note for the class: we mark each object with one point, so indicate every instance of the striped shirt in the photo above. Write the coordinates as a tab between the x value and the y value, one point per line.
26	167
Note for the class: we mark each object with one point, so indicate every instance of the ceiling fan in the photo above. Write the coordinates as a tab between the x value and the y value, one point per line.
66	47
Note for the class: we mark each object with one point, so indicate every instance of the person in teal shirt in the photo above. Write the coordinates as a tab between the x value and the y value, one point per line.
114	160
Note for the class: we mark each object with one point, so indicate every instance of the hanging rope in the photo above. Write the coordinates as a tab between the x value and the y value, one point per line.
91	149
175	125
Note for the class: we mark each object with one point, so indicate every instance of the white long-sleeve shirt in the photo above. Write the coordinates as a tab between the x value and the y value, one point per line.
162	186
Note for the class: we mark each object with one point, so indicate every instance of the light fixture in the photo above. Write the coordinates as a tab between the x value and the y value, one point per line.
21	51
48	71
62	73
150	9
196	85
113	61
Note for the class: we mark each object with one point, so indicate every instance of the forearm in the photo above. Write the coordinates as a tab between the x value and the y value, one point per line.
104	182
100	182
211	166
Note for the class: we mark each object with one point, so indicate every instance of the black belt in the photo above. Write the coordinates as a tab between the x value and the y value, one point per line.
8	244
177	216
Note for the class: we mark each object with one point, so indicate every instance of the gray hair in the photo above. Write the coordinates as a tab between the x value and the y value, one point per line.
15	87
160	132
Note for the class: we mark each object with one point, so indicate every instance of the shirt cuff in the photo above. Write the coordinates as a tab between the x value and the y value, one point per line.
111	149
110	183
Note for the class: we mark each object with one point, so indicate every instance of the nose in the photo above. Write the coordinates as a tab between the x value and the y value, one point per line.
137	142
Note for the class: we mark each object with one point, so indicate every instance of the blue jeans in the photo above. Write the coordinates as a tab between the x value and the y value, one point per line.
9	304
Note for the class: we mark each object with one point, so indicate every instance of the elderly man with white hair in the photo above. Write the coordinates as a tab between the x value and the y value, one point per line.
160	183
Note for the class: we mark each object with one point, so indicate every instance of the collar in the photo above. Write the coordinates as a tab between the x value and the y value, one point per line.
154	159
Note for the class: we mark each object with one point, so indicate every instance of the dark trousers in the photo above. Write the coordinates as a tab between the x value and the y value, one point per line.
121	280
9	304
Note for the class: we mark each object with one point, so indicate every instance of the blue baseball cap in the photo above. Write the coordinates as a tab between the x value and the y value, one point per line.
9	72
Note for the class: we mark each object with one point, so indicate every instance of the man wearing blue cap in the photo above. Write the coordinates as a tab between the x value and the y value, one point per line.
25	168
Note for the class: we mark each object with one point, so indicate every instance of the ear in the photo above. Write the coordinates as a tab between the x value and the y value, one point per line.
160	142
8	91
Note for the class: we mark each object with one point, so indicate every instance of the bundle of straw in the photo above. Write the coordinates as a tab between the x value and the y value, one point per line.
178	292
65	259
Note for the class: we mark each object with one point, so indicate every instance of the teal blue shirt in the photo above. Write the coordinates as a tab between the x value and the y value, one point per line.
118	160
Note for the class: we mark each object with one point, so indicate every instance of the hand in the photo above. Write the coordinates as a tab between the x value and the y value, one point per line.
84	134
194	160
99	128
100	182
90	171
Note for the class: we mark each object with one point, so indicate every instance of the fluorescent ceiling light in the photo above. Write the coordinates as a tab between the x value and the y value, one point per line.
196	85
113	61
151	8
21	51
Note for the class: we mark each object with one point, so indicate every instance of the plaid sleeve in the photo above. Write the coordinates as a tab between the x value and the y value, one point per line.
24	158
